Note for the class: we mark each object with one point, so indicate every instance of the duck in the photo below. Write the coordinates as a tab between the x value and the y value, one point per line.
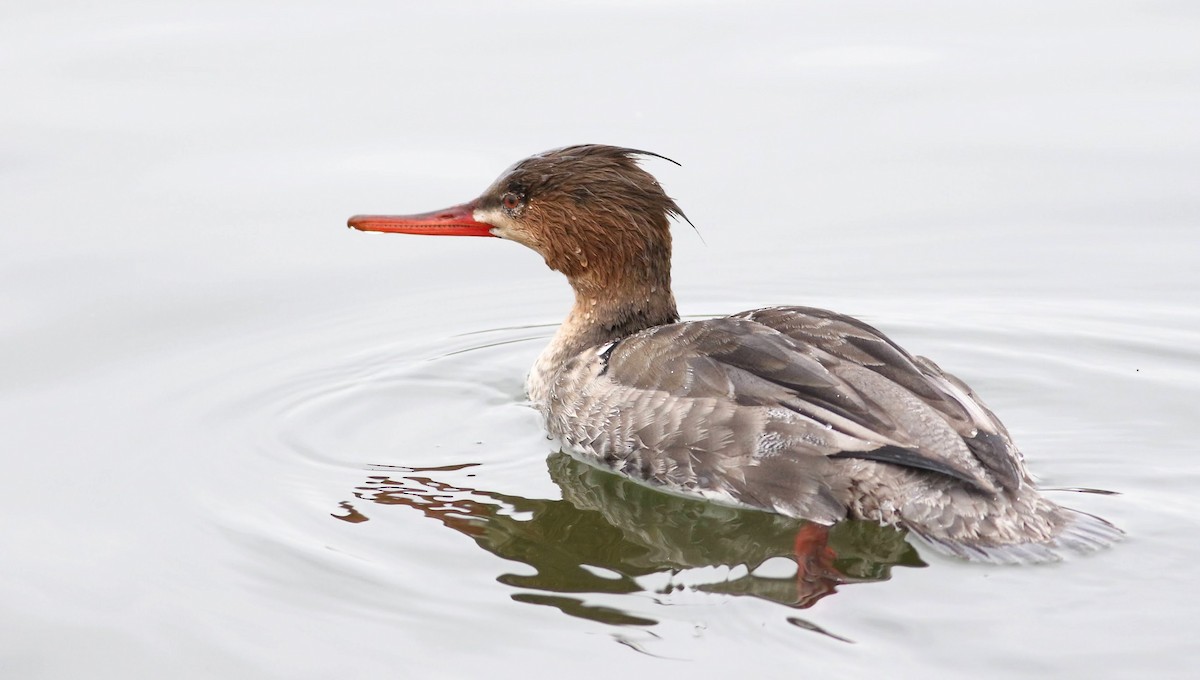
794	410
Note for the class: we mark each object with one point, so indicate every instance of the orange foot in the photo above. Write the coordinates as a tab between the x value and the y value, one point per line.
816	576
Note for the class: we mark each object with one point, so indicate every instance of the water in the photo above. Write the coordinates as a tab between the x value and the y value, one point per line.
242	441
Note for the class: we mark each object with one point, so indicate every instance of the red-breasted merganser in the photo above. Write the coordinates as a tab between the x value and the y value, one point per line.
794	410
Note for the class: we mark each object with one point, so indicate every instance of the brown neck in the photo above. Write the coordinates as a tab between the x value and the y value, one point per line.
622	285
604	315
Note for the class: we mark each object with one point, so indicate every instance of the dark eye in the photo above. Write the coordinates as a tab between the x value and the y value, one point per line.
510	200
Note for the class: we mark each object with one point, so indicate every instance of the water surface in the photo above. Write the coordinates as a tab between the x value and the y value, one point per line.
242	441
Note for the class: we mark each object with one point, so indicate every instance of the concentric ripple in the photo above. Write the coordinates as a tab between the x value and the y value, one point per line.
356	445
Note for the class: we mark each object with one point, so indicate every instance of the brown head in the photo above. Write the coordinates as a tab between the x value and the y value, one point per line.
589	210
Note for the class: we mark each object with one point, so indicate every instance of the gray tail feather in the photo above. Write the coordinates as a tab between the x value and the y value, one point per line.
1081	534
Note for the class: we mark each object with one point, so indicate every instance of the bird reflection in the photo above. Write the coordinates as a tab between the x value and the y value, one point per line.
608	533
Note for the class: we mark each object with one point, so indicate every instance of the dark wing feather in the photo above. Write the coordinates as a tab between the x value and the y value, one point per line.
907	458
853	340
841	407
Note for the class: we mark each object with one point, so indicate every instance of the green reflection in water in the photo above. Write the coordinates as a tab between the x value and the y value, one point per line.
609	532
